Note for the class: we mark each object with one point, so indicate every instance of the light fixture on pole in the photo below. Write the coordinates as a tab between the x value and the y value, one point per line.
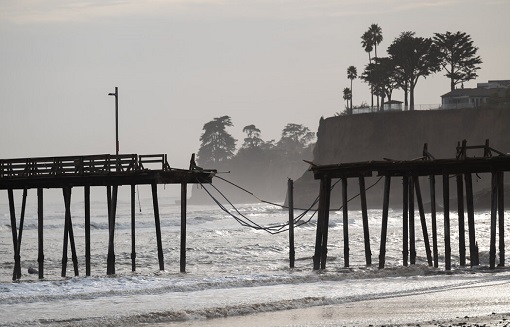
116	95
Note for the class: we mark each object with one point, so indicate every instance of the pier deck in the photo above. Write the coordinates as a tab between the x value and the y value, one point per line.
106	170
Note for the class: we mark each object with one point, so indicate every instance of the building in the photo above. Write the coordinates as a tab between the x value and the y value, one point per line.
491	93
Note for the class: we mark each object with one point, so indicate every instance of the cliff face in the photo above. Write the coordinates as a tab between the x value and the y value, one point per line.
401	136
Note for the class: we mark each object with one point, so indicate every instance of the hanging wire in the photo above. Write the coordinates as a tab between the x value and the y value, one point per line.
243	220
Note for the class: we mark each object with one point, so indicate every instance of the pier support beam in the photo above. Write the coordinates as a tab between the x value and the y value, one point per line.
345	227
412	230
405	220
17	235
473	247
462	229
40	232
14	230
384	227
501	214
158	225
446	204
184	191
68	234
364	214
86	193
290	193
494	220
432	180
321	240
423	221
112	212
133	229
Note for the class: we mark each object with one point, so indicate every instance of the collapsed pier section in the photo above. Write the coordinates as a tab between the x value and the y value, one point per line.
461	168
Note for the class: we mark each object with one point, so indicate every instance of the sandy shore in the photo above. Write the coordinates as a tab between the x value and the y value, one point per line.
478	305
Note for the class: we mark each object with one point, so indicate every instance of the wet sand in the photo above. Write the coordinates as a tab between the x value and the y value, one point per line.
480	305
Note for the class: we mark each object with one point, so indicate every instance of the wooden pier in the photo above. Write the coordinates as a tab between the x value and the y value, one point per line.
461	168
106	170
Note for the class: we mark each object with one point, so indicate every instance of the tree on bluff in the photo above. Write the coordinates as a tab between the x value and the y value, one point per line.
217	145
458	57
414	57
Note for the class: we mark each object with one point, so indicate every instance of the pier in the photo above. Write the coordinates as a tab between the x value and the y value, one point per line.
461	168
109	171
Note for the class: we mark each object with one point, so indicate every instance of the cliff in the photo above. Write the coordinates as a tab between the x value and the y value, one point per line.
401	136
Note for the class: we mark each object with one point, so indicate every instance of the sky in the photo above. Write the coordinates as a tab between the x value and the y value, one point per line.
180	63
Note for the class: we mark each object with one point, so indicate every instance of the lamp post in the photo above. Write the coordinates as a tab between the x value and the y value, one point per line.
116	95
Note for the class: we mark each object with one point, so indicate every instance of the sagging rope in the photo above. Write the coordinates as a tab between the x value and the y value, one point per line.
274	229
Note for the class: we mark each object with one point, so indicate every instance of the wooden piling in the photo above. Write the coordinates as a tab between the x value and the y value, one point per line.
40	232
69	226
432	180
412	231
154	187
65	191
423	221
14	230
462	230
501	216
17	261
86	193
345	215
384	227
446	205
473	248
133	228
112	211
405	220
364	215
320	256
494	220
184	191
290	193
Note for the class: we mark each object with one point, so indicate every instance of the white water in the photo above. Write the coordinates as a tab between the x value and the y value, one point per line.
231	270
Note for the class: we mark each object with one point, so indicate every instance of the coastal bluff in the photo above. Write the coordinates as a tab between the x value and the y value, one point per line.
400	135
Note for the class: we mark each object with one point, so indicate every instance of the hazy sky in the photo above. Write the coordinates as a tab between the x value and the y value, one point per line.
179	63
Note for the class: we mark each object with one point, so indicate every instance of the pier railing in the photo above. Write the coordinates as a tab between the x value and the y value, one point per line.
80	165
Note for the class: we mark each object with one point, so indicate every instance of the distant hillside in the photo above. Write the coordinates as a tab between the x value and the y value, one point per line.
401	135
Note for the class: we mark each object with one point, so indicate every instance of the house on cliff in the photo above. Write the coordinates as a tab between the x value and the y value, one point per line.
493	92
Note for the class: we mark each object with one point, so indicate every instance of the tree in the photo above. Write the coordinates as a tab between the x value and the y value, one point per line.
217	145
370	40
414	57
381	75
458	57
347	96
375	33
368	46
295	138
252	139
352	73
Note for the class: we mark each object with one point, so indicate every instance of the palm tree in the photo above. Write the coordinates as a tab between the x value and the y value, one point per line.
352	73
347	97
375	32
368	46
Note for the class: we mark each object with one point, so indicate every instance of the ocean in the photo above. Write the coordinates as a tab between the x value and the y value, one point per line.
232	270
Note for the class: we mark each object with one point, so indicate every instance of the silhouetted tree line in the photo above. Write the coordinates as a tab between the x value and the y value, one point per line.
411	57
257	165
218	147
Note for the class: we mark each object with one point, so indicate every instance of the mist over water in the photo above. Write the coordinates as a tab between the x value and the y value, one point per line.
231	269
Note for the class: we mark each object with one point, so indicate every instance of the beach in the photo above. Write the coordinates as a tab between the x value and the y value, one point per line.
482	304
